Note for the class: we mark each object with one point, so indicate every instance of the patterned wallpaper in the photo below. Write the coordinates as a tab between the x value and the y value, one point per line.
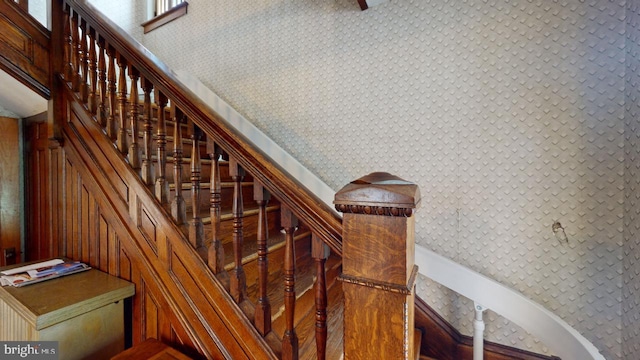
510	114
126	13
631	249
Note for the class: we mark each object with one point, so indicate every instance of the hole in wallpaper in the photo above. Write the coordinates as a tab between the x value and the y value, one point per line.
559	233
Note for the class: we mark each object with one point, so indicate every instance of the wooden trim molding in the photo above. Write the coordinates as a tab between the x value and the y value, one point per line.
166	17
442	341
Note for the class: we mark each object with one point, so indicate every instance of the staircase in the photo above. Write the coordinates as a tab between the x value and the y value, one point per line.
231	257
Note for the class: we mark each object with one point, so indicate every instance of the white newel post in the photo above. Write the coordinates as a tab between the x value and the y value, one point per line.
478	332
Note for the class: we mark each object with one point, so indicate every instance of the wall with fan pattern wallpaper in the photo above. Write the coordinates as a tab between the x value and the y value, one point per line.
510	115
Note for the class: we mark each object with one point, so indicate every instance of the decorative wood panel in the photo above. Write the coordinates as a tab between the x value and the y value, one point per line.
37	244
147	226
24	48
9	189
150	312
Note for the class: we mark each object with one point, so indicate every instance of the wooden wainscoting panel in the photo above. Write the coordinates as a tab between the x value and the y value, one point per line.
55	206
97	226
37	241
101	257
70	199
24	48
150	313
9	190
85	224
148	226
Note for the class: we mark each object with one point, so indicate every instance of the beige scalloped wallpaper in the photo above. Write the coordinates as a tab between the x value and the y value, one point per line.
510	115
631	249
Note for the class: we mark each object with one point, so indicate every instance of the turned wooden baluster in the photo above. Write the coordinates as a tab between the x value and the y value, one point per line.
84	62
102	83
290	338
162	185
134	151
196	228
75	53
238	282
147	133
68	45
93	73
178	206
320	253
112	86
262	316
215	259
121	141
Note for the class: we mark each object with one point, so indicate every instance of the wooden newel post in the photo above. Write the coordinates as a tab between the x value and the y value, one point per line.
378	266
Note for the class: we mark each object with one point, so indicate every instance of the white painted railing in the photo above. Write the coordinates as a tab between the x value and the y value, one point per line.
557	335
563	340
478	332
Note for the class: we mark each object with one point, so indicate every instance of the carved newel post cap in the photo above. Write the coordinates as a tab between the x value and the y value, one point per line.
378	193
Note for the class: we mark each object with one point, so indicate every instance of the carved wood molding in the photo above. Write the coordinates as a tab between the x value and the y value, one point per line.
378	193
394	288
374	210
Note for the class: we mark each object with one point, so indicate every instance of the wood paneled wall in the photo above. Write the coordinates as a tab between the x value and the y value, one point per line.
37	210
10	198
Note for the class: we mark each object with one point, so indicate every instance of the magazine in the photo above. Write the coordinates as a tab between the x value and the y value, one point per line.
34	273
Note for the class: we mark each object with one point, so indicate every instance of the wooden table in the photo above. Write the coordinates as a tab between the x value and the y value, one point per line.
84	312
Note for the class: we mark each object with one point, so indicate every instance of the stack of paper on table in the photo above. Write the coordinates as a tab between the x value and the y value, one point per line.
34	273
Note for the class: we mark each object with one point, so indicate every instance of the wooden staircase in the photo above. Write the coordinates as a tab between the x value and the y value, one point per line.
186	193
231	257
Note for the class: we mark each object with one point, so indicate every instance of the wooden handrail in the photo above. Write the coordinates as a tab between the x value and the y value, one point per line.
307	207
